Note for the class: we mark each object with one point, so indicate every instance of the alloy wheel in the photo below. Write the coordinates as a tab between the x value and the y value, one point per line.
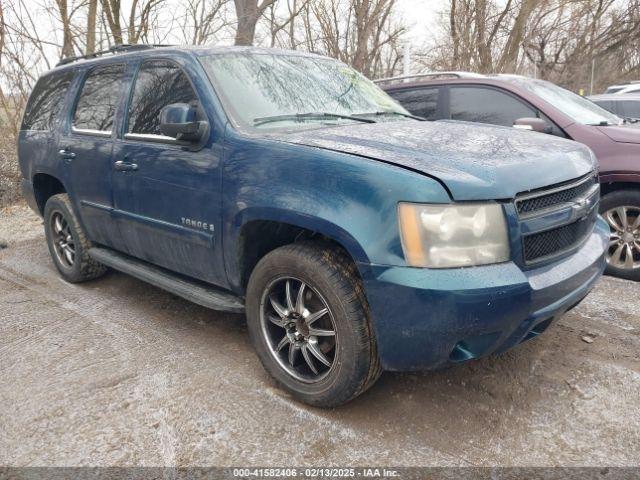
299	329
624	243
62	239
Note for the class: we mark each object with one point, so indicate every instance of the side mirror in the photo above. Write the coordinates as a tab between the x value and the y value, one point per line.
534	124
180	121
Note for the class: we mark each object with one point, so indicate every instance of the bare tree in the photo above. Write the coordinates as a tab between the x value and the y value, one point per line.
91	26
605	34
203	19
248	12
486	35
358	32
139	19
286	24
67	42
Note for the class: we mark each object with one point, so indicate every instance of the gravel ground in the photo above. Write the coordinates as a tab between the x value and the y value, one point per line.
116	372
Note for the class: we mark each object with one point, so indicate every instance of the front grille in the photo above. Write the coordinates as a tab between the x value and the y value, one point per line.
539	246
554	196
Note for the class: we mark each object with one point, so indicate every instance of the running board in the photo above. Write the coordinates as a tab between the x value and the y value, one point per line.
187	288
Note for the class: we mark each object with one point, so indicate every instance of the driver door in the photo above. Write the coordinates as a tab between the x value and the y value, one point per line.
167	195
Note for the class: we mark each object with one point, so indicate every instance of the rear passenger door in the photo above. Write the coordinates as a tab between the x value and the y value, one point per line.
85	149
168	202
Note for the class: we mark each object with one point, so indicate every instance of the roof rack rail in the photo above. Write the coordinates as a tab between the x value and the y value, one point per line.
429	75
124	48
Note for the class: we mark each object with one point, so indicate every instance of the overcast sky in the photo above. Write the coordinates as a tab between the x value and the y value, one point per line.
421	16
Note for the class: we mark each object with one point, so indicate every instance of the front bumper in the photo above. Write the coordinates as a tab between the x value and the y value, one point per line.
425	319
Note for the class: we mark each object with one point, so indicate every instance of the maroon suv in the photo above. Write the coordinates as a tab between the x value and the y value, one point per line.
522	102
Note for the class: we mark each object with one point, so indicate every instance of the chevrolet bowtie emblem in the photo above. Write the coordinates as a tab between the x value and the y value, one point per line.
581	208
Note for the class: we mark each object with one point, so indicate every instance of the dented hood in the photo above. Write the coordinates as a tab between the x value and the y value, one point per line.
474	161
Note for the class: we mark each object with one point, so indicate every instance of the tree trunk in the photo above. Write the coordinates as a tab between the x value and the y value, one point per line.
455	61
111	10
91	27
247	13
67	38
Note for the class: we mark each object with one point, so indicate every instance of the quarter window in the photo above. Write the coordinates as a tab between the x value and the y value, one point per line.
422	102
46	101
158	84
98	100
486	105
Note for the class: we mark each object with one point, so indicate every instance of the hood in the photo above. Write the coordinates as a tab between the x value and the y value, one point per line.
622	133
474	161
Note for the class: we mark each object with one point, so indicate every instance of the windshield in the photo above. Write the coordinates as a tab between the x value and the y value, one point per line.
266	91
578	108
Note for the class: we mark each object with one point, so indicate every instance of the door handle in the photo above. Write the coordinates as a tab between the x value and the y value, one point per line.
66	155
125	166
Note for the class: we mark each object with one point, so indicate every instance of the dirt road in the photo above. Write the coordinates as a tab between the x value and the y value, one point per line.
115	372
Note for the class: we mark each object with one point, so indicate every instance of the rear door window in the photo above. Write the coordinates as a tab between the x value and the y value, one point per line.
487	105
99	98
46	101
422	102
158	84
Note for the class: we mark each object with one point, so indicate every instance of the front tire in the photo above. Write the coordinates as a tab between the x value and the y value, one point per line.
68	243
309	322
621	210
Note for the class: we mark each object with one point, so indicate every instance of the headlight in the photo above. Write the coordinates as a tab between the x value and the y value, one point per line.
458	235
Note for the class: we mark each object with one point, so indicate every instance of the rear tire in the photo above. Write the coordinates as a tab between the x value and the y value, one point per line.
621	210
329	369
68	243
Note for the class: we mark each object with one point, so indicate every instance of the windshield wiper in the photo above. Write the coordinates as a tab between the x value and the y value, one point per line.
391	112
301	117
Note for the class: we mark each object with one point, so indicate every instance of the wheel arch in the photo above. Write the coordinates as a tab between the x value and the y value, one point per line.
613	186
45	186
258	232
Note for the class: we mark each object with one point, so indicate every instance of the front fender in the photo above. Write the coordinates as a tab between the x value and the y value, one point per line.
350	199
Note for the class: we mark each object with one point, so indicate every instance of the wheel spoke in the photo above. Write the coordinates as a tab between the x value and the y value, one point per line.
293	348
612	221
283	343
68	254
57	225
636	224
300	299
315	316
288	295
316	352
615	257
614	239
628	260
307	358
278	322
280	310
622	215
319	332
